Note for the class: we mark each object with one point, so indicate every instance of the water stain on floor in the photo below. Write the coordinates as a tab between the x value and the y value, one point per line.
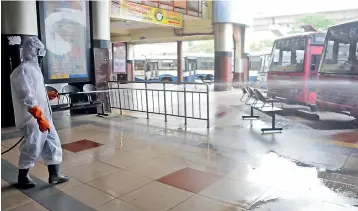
307	186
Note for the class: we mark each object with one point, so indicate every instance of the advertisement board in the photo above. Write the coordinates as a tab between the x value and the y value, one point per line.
65	34
142	13
187	7
119	58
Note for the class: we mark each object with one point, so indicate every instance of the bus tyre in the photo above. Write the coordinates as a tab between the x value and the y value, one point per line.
208	77
167	80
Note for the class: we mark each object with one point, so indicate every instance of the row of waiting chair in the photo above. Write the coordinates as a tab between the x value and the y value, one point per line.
77	101
257	96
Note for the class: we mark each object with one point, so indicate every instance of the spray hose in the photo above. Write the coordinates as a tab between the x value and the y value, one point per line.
8	150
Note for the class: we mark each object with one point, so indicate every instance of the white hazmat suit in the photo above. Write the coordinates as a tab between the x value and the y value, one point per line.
28	91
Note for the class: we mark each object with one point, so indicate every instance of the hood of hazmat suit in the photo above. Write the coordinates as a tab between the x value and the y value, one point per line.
27	83
31	108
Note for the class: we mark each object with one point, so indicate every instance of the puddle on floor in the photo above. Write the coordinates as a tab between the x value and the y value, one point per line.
301	186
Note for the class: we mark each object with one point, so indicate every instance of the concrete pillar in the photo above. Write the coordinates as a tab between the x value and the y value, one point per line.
237	13
239	67
101	21
130	62
180	61
101	46
18	20
19	17
223	42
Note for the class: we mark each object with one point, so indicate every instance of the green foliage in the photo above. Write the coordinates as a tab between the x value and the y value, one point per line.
206	46
318	21
261	45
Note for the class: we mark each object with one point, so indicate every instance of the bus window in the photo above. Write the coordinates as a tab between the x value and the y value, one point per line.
168	64
286	58
266	62
340	55
276	56
152	66
288	55
205	63
255	63
192	65
139	64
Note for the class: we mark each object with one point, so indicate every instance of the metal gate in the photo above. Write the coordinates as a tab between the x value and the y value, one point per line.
184	100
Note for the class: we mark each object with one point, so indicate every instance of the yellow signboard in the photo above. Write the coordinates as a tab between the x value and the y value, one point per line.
60	76
142	13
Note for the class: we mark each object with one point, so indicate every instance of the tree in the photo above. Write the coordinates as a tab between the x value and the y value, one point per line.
206	46
261	45
318	21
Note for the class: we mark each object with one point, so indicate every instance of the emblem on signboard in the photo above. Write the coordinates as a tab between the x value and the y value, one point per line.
159	15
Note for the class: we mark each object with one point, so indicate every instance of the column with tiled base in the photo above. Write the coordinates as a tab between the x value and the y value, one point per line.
239	67
237	15
19	20
223	56
101	46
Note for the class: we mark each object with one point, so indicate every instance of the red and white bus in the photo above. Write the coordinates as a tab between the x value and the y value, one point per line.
338	71
294	67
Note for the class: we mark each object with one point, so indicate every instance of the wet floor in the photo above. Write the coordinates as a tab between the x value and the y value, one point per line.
232	166
301	186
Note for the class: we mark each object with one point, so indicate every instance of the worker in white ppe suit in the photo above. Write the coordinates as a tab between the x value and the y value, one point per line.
33	116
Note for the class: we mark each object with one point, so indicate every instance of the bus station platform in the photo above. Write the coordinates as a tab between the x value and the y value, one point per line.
129	163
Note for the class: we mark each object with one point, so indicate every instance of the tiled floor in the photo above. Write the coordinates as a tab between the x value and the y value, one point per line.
88	195
189	179
12	198
156	196
157	168
350	137
119	183
130	166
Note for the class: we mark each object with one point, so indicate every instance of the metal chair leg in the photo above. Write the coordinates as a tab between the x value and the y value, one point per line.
102	114
255	102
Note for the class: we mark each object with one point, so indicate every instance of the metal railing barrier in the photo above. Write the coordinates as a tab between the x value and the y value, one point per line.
185	100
